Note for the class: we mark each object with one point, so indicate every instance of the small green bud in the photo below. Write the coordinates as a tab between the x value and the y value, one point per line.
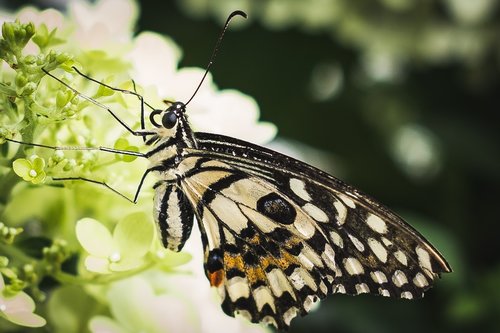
63	57
29	59
8	31
42	36
62	98
27	90
21	80
8	234
4	262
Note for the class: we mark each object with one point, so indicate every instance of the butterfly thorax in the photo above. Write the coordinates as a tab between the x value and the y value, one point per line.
169	143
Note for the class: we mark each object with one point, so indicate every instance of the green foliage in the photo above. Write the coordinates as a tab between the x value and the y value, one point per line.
40	249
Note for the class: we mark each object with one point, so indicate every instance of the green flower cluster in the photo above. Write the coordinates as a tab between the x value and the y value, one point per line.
37	108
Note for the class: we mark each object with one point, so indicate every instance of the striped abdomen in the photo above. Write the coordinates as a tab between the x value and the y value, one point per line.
173	215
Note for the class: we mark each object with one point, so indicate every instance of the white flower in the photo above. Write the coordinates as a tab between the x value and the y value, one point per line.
19	308
226	112
105	24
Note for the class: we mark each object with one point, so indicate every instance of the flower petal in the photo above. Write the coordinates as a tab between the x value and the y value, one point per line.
97	265
39	178
18	303
153	54
26	318
130	301
126	264
94	237
38	163
101	324
134	235
22	168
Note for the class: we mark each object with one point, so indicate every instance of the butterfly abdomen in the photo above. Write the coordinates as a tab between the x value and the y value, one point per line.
173	215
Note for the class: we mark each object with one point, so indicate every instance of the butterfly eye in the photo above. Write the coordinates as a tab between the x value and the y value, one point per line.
169	119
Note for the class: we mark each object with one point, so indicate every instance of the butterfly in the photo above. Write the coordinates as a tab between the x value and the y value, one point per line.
278	234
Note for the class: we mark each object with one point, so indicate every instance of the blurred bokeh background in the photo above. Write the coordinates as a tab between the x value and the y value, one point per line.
398	98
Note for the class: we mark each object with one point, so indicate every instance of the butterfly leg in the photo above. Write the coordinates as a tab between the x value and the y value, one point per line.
124	91
105	149
141	132
102	183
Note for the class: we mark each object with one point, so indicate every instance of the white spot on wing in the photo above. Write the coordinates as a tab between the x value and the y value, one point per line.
263	296
323	287
279	283
357	243
289	315
300	277
310	302
310	254
339	289
299	188
268	320
399	278
328	257
348	201
228	211
238	287
420	281
262	222
362	288
304	226
229	237
424	260
384	292
305	261
353	266
341	211
315	212
378	276
407	295
386	242
378	249
336	239
401	257
376	224
246	191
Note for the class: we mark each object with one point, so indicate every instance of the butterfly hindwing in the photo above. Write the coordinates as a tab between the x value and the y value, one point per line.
256	253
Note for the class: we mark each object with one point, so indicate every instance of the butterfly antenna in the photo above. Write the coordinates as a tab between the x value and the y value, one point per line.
216	48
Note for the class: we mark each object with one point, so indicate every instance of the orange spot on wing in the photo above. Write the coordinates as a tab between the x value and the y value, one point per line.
234	261
216	278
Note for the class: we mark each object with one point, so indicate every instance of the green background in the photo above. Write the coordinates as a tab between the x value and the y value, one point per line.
454	100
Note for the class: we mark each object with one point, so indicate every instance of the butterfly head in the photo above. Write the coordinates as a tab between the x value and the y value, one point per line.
172	123
169	117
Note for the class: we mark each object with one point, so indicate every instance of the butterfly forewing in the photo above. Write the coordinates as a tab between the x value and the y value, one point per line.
280	234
